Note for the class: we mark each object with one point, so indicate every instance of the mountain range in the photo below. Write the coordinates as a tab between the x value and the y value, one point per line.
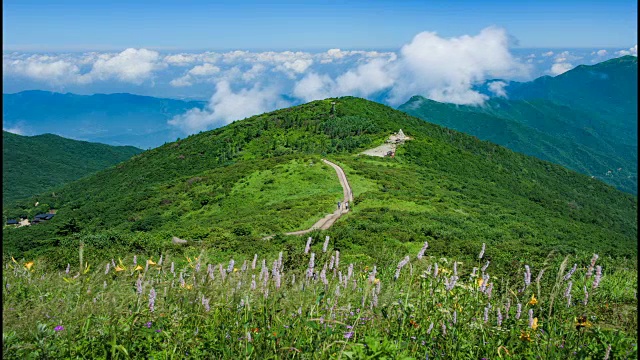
114	119
584	119
230	187
34	164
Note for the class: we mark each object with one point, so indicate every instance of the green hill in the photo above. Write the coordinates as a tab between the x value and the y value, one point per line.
227	188
32	165
584	119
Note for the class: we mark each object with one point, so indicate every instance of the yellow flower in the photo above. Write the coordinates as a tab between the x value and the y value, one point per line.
535	325
187	286
188	259
525	336
376	280
28	265
119	268
235	269
457	306
582	322
533	300
138	268
479	281
150	262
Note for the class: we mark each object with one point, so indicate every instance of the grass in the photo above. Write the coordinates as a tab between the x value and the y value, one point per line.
208	310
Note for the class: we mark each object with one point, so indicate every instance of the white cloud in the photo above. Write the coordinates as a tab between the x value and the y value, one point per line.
15	130
226	106
632	51
131	65
445	69
547	54
204	70
601	52
497	88
438	68
182	81
49	69
181	59
560	68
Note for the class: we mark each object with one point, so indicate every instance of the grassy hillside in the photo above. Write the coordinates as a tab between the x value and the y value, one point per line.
115	119
229	187
584	119
33	165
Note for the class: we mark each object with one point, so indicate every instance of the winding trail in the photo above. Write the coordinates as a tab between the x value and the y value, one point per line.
329	219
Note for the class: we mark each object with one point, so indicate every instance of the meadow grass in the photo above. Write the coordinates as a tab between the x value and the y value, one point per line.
317	304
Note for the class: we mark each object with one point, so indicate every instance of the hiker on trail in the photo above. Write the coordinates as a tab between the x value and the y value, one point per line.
346	205
338	204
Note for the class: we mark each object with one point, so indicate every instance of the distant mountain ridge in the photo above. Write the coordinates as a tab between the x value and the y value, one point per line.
584	119
34	164
115	119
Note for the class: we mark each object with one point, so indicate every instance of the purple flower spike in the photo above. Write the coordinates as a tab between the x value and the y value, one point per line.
59	328
348	335
148	325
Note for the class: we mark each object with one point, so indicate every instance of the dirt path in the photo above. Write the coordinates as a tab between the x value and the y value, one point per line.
329	219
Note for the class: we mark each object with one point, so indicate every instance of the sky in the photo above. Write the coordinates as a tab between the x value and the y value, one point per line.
309	25
249	57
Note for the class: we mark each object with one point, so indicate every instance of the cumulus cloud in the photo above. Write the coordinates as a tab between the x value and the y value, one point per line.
438	68
560	68
131	65
547	54
181	59
632	51
497	88
204	70
50	69
601	52
226	106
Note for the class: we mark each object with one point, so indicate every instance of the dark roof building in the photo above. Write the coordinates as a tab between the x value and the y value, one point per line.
12	222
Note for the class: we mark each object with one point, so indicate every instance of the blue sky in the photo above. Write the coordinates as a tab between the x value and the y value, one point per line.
310	25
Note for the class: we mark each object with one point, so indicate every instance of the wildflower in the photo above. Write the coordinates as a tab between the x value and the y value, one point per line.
139	286
337	293
119	268
518	310
337	259
205	303
66	271
527	276
29	265
567	291
113	263
421	252
106	271
606	354
430	328
331	262
455	268
524	336
486	314
530	317
138	268
160	261
311	265
198	265
401	264
455	317
135	260
489	289
152	299
444	329
230	267
349	271
348	335
582	322
499	314
479	281
253	263
568	275
596	280
372	275
586	296
308	246
534	324
435	270
473	273
481	251
593	263
326	244
58	328
484	268
173	269
533	300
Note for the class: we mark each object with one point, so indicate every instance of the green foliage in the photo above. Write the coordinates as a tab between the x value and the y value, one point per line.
33	165
228	188
584	119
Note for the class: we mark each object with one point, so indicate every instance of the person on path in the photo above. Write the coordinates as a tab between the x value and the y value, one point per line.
338	204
